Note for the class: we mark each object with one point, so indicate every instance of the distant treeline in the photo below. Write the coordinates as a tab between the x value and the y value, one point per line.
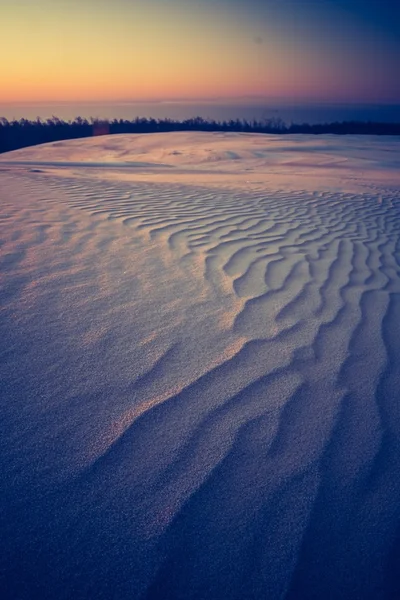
23	132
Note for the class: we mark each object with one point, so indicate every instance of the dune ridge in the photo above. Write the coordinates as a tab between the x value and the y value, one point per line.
200	381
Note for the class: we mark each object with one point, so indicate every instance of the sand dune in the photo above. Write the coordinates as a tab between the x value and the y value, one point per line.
200	341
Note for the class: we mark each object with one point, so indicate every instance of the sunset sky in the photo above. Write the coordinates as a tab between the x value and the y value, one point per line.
141	50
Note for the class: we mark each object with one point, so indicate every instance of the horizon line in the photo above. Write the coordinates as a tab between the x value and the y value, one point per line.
257	100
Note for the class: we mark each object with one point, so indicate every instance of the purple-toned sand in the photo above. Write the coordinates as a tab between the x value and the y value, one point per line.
200	368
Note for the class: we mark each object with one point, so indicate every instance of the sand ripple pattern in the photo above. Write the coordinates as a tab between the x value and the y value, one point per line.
250	425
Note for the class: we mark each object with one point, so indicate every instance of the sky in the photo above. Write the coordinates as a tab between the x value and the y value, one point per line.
190	50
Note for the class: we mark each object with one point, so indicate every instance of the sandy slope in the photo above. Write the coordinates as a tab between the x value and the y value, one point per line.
248	160
200	341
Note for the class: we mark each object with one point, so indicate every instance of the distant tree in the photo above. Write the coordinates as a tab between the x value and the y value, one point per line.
23	132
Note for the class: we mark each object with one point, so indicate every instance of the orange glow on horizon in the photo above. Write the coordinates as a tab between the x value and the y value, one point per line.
95	50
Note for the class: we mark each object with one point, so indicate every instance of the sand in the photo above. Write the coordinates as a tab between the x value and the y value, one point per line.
200	341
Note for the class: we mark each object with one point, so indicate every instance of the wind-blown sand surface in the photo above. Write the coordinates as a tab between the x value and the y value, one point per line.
200	344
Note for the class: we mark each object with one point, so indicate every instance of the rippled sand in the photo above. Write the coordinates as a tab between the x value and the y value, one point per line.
200	366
